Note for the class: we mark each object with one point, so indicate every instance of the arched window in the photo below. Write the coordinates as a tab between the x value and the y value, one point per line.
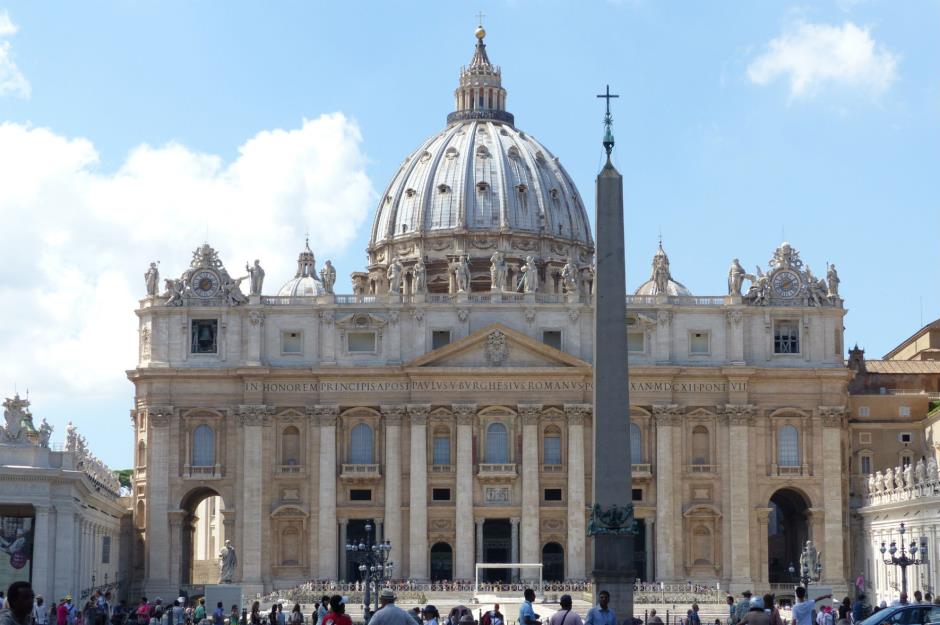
360	445
701	452
636	444
551	446
788	447
141	454
290	445
441	451
203	446
141	514
497	444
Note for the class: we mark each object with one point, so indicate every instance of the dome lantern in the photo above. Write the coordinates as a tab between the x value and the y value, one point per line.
480	93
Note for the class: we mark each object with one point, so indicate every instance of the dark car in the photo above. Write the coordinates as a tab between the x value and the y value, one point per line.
914	614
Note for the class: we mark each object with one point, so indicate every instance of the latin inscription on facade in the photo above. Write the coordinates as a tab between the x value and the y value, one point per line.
485	385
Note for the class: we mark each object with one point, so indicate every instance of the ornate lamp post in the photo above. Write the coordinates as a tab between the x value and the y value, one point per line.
905	559
810	571
374	567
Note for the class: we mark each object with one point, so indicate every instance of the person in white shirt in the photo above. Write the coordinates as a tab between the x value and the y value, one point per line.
565	616
803	610
40	613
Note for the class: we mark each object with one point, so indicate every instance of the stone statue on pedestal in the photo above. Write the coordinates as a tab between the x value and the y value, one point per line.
888	480
152	278
832	276
571	277
462	274
419	272
45	433
174	292
498	272
920	471
735	277
394	276
328	277
530	276
932	472
227	562
256	275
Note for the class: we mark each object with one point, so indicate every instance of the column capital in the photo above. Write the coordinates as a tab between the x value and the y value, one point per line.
530	413
815	513
40	509
832	416
515	520
763	515
578	413
254	414
738	414
176	517
159	416
326	414
392	414
668	414
464	413
419	413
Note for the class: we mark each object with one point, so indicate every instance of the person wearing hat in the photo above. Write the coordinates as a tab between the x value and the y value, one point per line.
742	607
389	613
756	614
565	616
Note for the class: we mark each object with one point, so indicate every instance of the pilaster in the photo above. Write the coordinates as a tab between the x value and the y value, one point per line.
252	418
833	418
418	496
667	419
530	414
740	418
577	530
158	491
326	417
393	470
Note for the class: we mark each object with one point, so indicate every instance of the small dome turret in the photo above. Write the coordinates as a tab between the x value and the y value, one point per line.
661	282
306	282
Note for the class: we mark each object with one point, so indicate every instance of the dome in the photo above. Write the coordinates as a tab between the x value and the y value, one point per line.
661	282
480	186
305	282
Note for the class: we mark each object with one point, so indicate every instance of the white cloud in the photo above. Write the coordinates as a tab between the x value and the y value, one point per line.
12	80
816	56
78	240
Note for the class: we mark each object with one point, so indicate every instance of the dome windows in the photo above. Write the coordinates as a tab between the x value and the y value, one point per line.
513	153
451	153
443	188
482	152
425	157
482	186
410	193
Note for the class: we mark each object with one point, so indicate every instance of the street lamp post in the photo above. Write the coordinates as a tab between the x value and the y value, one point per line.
374	566
905	559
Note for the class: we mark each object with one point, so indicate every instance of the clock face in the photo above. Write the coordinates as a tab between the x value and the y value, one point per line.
205	284
786	283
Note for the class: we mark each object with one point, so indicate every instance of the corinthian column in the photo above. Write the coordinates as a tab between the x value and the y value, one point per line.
418	497
529	535
577	565
464	556
252	419
326	415
667	418
393	469
740	418
833	563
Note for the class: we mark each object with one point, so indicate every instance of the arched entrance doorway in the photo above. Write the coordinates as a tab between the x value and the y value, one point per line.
442	562
787	532
553	562
203	534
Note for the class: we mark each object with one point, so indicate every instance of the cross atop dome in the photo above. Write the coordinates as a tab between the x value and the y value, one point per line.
480	93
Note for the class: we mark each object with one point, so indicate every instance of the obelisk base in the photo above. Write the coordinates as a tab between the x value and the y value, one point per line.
611	552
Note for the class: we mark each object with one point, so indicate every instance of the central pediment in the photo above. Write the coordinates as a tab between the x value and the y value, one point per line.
497	345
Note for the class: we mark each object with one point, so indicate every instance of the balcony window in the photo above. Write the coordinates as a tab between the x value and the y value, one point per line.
636	444
203	446
701	452
788	447
290	446
497	444
551	446
360	445
441	451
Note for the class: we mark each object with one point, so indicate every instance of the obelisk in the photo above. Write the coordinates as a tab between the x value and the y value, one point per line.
611	521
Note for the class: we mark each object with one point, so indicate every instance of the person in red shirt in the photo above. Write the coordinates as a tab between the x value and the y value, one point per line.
337	614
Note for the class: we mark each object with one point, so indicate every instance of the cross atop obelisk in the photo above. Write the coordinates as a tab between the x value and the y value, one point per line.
611	524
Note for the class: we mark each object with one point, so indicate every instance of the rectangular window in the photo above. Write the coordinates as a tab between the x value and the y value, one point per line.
105	550
864	411
360	494
440	494
865	465
552	450
637	494
904	411
552	338
786	337
360	342
439	338
905	437
636	341
204	337
906	460
441	450
864	438
292	342
552	494
699	343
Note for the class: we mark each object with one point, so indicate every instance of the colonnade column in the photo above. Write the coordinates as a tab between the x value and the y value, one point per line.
41	566
529	535
479	535
763	519
667	419
65	535
464	556
514	544
418	496
252	418
175	519
832	469
393	470
343	541
158	501
577	530
740	418
326	416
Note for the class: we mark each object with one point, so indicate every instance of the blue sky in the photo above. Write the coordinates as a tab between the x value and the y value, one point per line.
130	129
